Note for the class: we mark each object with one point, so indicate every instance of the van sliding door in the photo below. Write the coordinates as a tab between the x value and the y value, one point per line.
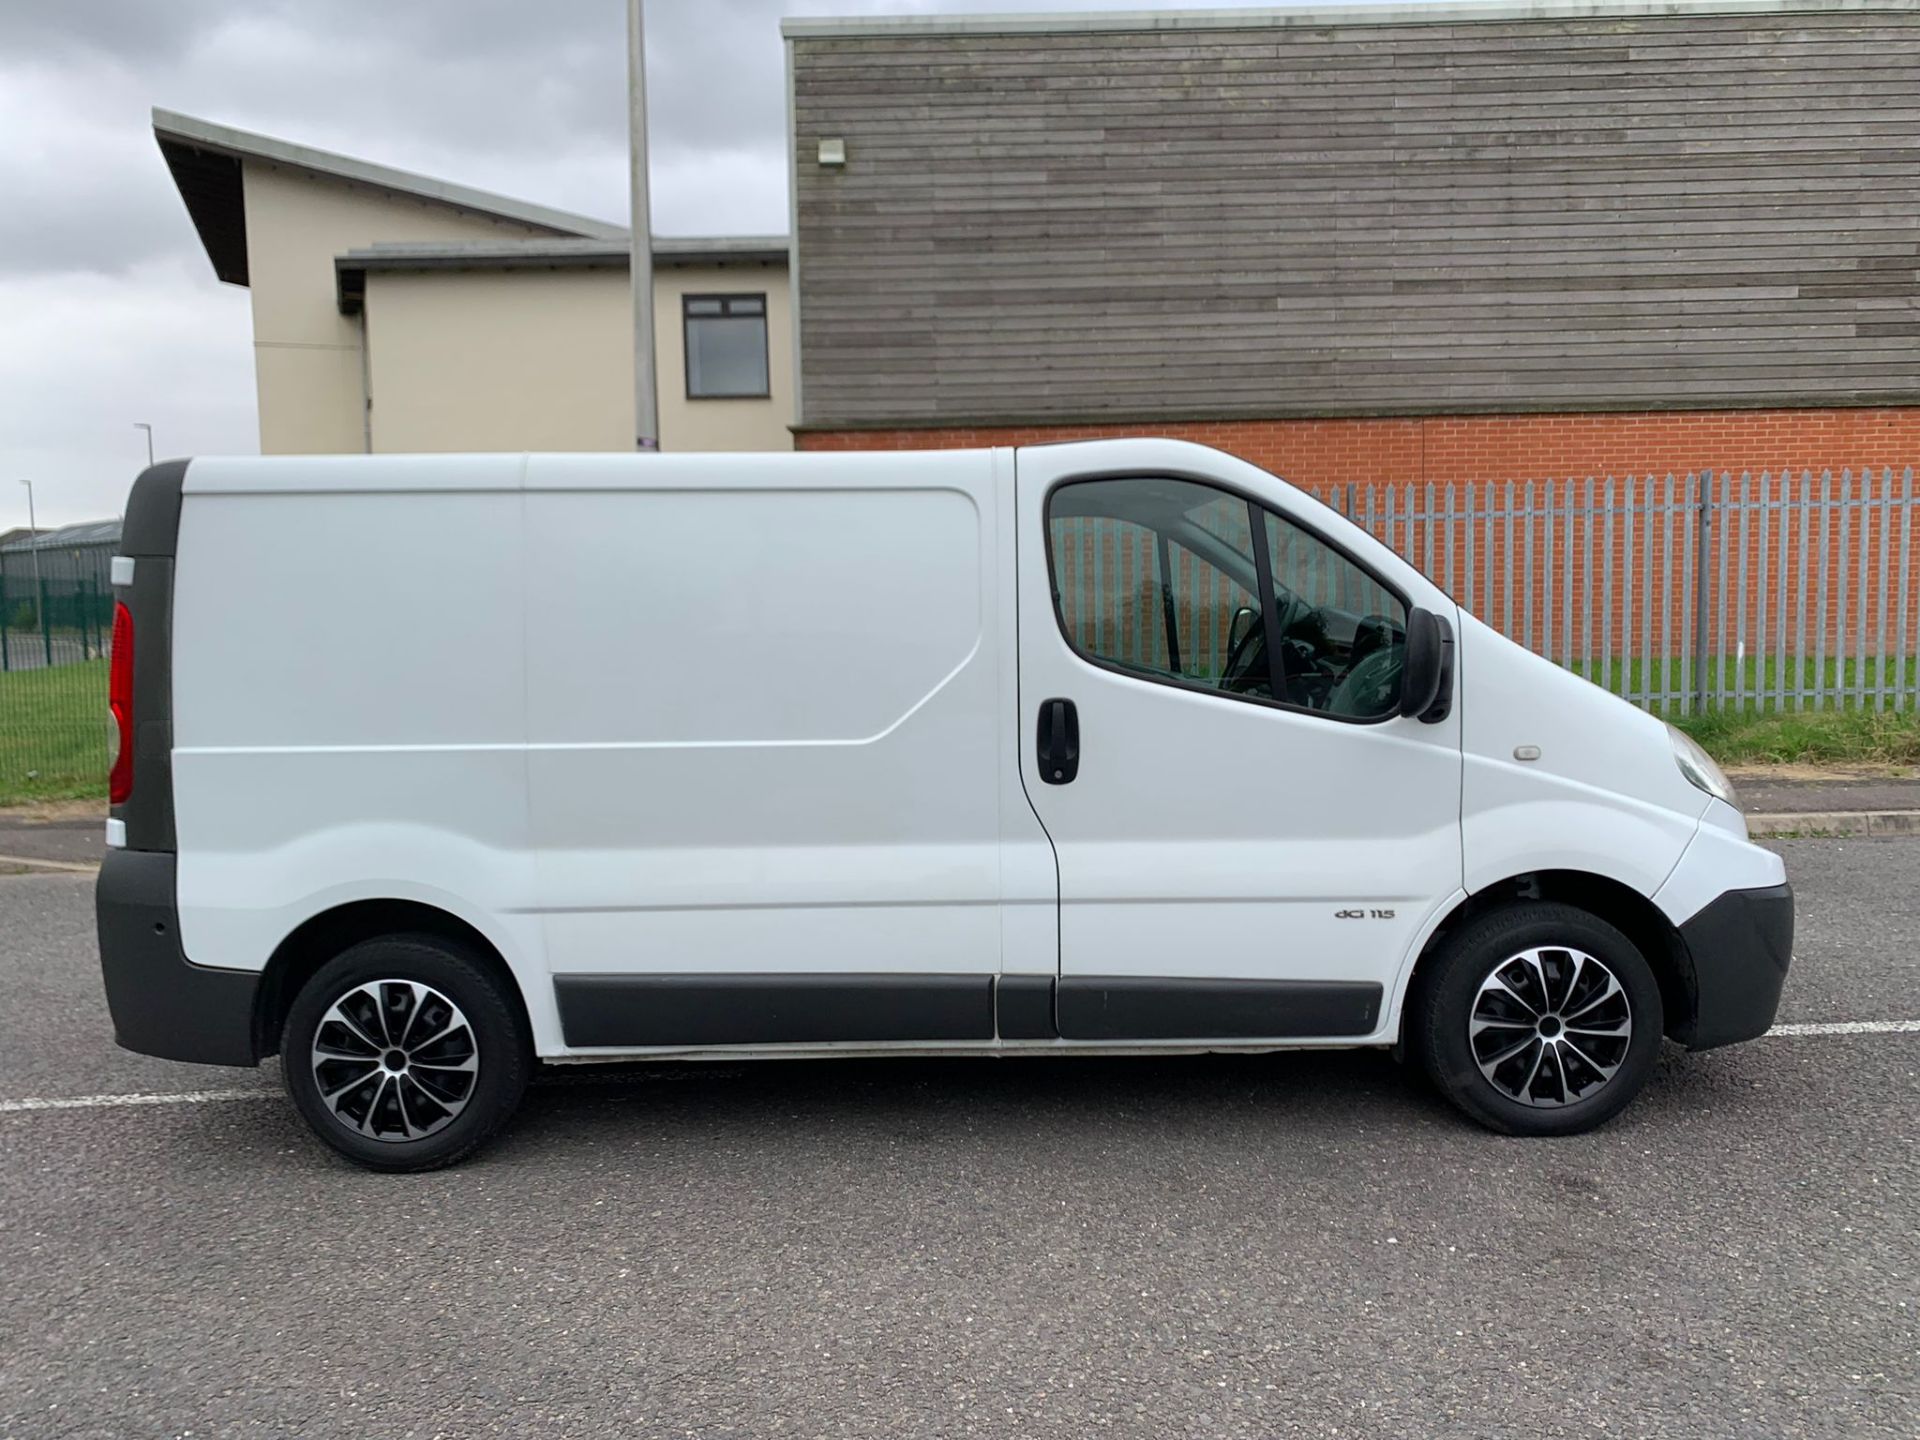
768	763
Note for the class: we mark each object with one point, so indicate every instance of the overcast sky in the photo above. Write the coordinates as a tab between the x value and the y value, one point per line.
109	312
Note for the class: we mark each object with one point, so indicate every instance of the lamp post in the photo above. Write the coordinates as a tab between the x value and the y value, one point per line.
39	589
143	425
646	419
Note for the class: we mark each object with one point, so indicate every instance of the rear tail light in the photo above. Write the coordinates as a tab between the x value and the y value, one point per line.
120	701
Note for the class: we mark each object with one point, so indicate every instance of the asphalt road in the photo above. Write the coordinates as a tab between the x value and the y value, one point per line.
1305	1245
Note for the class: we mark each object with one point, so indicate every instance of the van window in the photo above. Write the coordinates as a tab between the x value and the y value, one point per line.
1159	577
1141	593
1343	633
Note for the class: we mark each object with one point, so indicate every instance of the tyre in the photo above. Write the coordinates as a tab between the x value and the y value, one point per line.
1540	1019
404	1053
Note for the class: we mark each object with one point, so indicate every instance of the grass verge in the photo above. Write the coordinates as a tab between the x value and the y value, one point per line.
1811	737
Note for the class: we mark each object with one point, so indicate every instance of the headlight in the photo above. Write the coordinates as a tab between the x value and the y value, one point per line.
1699	768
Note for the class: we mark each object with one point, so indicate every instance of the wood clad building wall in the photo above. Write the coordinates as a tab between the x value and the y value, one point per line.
1680	211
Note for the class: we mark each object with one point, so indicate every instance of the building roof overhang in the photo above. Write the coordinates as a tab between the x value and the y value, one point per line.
351	269
206	158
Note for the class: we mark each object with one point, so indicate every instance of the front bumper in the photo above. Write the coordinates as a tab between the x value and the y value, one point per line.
1740	946
161	1002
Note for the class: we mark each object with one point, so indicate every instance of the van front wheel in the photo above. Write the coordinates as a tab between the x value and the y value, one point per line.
403	1053
1539	1020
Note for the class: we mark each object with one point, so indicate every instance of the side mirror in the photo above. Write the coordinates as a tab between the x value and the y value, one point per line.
1426	676
1240	626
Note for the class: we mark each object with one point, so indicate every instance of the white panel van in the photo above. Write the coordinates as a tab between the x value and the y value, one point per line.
431	768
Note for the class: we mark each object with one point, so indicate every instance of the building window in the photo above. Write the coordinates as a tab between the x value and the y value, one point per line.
726	346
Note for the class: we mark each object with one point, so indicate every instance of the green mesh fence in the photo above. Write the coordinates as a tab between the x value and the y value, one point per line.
56	628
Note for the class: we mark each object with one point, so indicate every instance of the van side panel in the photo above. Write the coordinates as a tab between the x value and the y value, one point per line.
1029	870
1602	796
350	700
765	717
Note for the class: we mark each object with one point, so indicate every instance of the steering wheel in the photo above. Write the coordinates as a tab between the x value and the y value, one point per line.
1370	689
1241	675
1370	635
1238	675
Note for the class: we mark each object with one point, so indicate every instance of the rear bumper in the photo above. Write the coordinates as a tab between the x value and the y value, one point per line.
161	1002
1740	946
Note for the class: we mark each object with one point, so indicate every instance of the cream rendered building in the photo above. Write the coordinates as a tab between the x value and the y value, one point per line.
395	312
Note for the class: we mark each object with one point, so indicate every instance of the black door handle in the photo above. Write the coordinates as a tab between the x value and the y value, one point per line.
1058	743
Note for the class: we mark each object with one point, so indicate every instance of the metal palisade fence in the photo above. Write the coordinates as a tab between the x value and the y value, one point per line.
56	629
1687	593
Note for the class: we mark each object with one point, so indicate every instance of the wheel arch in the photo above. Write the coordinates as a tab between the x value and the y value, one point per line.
318	939
1656	937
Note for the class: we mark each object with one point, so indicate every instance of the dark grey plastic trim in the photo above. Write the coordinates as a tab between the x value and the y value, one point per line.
152	524
161	1002
1442	705
771	1009
1740	947
150	536
1127	1007
1023	1007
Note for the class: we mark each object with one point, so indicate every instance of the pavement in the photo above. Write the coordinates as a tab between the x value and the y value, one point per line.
1830	806
1764	794
1216	1246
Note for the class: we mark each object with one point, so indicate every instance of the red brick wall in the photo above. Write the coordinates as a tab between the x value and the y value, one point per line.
1319	454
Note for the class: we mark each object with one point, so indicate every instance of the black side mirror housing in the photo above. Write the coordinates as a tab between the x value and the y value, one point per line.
1426	678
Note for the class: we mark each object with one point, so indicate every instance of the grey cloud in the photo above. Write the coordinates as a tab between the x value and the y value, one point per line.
131	29
89	191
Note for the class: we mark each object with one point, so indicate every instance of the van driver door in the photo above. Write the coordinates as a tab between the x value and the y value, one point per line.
1249	837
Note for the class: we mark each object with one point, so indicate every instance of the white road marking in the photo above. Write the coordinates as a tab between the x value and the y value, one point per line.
209	1097
105	1102
1847	1027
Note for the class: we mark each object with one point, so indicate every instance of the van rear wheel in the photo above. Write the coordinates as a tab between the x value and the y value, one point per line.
1540	1019
404	1053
